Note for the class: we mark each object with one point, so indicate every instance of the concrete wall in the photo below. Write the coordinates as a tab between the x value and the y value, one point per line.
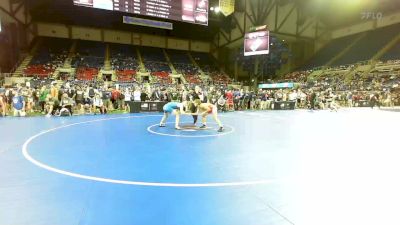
122	37
53	30
178	44
85	33
154	41
117	37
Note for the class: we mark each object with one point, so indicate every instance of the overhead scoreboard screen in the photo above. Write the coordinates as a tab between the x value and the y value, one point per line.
191	11
256	43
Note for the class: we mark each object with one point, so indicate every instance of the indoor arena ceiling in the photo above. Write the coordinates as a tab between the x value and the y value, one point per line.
333	13
339	13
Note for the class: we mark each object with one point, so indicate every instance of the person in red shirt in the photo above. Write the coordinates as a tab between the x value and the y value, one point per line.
229	98
115	97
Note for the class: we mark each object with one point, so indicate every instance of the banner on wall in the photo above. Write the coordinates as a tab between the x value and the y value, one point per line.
276	85
147	22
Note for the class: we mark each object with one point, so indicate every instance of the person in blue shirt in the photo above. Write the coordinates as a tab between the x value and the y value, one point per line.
18	104
172	108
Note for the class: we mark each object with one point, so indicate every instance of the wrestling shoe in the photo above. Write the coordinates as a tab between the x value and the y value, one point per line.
203	126
162	125
221	129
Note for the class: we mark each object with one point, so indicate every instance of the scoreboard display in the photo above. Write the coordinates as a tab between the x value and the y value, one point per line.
191	11
256	43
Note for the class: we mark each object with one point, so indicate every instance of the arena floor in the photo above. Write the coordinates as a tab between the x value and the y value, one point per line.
267	168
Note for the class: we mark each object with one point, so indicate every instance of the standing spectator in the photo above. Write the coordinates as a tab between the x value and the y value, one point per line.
98	104
9	95
79	95
156	96
184	95
54	91
293	96
229	98
143	96
136	95
35	96
42	98
128	98
106	97
115	96
3	104
349	99
18	104
374	100
28	98
313	99
236	99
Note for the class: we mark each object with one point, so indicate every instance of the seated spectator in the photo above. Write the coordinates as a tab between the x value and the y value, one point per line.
87	103
66	105
52	104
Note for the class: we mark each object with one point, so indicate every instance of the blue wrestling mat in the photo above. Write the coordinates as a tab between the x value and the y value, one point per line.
266	168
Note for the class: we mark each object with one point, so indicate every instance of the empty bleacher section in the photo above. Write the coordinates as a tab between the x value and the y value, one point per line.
154	59
50	55
64	59
333	48
369	45
183	65
156	64
393	53
209	66
124	61
205	61
89	59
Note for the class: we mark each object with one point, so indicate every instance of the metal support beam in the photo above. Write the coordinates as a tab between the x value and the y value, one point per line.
224	36
305	27
266	10
238	24
18	20
259	8
297	21
286	18
321	34
276	14
292	35
13	12
244	17
232	41
253	14
316	29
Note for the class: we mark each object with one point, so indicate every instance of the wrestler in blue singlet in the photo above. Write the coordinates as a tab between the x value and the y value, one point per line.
170	107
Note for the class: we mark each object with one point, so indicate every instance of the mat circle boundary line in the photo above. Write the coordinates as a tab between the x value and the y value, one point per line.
28	157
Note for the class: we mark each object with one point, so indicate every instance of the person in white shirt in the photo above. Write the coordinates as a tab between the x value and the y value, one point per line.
136	95
293	95
98	104
127	98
